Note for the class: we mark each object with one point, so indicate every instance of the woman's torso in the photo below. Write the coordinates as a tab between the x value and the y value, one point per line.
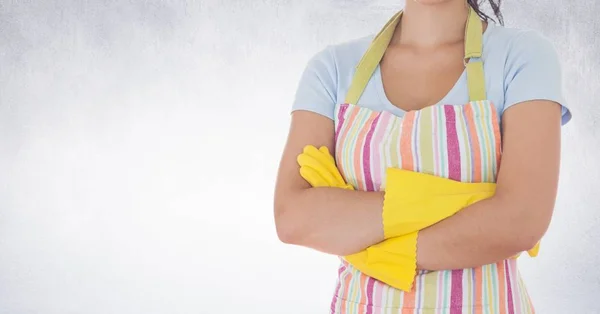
454	139
459	142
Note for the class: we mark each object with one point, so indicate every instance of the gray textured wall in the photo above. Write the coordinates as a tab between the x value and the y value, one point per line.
139	141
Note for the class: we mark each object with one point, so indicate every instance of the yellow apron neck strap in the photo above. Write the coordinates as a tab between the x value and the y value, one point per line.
368	63
474	50
372	57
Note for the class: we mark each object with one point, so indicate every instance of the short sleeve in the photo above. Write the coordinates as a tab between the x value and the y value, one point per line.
317	89
533	72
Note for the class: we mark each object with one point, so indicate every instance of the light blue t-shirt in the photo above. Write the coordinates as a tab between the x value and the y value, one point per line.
519	65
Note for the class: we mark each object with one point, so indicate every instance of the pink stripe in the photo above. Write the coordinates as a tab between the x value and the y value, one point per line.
453	146
367	155
456	296
337	288
370	284
341	114
511	308
377	156
340	137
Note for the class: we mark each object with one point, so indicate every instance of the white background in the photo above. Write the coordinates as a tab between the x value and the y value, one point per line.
139	142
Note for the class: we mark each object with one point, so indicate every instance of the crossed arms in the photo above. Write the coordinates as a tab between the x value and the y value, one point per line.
344	222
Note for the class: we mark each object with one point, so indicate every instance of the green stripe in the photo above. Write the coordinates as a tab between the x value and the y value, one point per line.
484	288
430	291
394	139
486	134
426	142
493	139
489	131
477	118
350	144
496	287
468	273
396	295
524	301
467	171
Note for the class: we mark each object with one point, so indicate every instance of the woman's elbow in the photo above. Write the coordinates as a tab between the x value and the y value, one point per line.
291	230
530	227
286	224
525	241
285	230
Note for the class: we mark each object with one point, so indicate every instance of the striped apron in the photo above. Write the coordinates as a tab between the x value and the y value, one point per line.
458	142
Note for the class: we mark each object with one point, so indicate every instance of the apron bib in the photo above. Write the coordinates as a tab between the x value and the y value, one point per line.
459	142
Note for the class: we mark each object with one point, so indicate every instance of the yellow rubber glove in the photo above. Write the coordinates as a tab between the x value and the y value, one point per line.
318	168
535	251
393	261
414	201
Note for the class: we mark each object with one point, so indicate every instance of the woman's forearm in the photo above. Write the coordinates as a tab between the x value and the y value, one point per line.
332	220
483	233
519	214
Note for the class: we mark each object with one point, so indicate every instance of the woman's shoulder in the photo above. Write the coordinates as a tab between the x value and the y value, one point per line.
352	49
342	57
511	43
528	64
318	89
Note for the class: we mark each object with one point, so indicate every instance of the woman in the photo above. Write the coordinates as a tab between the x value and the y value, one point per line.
440	91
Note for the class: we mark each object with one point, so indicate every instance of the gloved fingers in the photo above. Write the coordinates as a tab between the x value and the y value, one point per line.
534	251
325	151
311	151
349	186
309	160
326	176
315	160
326	159
334	169
322	159
313	177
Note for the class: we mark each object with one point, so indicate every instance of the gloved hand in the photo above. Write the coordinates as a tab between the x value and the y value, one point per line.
414	201
532	252
535	250
393	261
318	168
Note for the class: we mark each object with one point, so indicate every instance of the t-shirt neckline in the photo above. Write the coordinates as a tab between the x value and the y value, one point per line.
389	106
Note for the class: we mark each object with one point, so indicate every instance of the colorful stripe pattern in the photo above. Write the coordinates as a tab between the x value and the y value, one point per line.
456	142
